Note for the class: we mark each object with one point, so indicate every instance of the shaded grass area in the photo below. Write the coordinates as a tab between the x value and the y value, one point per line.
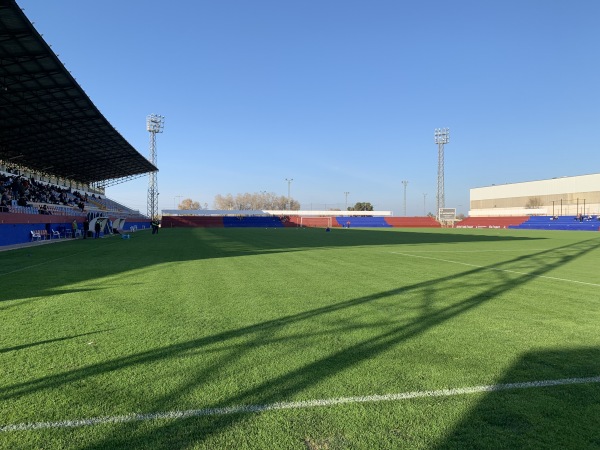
200	318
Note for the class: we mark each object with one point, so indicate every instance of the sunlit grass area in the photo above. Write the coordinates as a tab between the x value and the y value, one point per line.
201	333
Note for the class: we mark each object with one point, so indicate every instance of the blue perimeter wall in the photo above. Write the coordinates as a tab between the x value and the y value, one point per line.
20	233
16	229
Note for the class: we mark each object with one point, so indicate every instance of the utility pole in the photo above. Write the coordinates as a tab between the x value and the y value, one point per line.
289	182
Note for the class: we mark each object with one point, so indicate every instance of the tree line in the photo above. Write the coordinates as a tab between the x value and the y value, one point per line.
260	200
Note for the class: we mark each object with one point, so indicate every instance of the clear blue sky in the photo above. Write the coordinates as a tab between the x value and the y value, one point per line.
340	95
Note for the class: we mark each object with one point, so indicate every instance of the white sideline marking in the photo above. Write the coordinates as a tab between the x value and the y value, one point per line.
174	415
480	251
497	269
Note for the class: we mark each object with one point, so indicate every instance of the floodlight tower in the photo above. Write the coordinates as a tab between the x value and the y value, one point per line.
442	136
154	124
405	183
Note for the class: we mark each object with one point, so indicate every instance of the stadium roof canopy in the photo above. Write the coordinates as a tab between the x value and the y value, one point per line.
47	122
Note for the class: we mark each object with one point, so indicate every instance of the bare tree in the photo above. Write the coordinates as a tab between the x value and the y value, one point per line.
188	203
294	205
224	202
533	202
262	200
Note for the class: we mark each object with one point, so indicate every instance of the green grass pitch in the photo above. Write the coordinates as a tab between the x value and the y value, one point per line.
248	338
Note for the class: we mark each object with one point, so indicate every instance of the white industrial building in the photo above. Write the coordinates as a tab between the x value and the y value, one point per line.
564	196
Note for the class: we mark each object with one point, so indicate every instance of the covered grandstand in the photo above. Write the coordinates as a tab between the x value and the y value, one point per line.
565	203
564	196
53	139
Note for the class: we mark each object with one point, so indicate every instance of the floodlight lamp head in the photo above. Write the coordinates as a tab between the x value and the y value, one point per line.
155	123
442	135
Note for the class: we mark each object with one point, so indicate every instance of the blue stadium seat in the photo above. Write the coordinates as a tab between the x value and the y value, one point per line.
363	222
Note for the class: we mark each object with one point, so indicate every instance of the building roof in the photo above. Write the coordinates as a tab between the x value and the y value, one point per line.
47	122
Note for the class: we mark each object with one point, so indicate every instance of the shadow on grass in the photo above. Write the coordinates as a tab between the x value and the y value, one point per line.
48	341
40	271
186	433
554	417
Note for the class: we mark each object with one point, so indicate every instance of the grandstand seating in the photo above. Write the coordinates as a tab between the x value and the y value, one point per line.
192	221
42	197
296	221
412	222
252	222
569	223
491	222
362	222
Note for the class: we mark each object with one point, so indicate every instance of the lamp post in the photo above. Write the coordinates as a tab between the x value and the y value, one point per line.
405	183
424	206
346	194
174	202
289	182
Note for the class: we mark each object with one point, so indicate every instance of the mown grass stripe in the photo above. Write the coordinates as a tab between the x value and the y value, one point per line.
177	415
51	261
477	266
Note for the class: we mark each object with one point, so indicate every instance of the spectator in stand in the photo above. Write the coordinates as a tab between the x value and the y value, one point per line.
15	185
22	201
